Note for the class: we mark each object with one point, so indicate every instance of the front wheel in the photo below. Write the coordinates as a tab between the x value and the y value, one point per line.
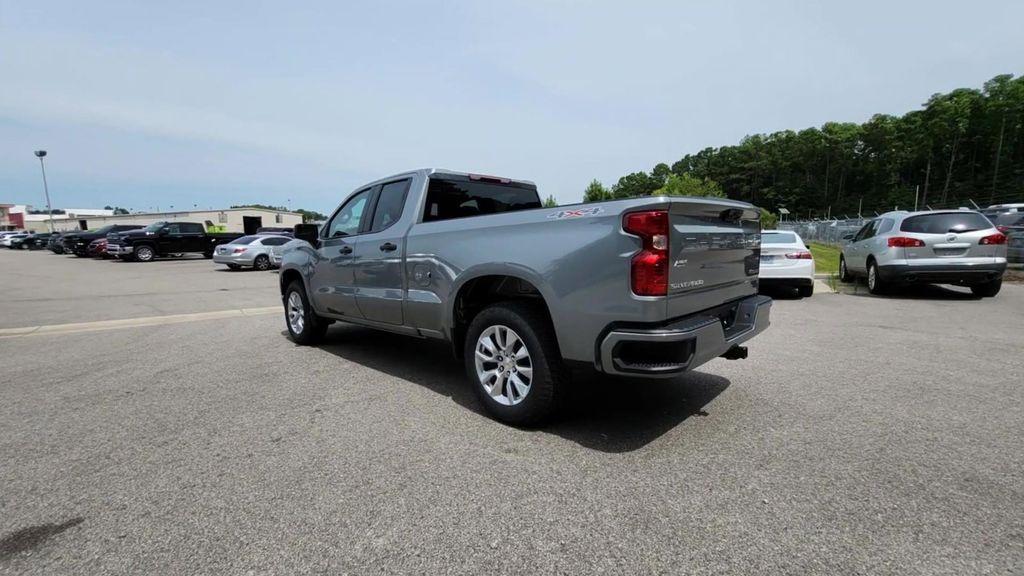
304	326
844	274
513	362
144	254
988	289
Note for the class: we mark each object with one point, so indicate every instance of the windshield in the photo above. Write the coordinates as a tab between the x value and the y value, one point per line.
944	222
155	226
778	238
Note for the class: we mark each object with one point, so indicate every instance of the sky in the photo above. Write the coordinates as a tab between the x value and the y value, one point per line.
150	105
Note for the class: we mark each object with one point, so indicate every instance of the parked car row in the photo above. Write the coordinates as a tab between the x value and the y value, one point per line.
260	251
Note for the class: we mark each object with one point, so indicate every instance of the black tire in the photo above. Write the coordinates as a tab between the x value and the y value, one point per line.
844	274
988	289
806	291
550	379
234	266
313	327
144	253
262	262
875	283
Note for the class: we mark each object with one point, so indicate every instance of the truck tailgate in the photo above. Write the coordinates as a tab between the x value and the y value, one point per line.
714	254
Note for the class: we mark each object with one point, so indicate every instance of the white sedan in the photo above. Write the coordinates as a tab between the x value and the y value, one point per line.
786	261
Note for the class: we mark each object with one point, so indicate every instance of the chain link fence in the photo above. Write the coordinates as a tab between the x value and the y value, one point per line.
824	231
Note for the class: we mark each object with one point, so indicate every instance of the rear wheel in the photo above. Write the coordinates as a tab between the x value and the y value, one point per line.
988	289
262	262
875	283
844	274
513	362
304	326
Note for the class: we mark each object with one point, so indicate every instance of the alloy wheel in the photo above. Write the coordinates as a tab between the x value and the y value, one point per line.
503	365
296	313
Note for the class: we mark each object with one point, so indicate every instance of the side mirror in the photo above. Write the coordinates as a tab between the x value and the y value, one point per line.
308	232
848	237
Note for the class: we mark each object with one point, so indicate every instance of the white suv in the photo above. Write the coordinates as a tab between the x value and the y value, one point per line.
959	247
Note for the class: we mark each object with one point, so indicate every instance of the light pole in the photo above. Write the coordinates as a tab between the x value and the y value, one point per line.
49	210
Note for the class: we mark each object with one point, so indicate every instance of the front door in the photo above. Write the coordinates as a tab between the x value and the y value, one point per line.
332	283
380	290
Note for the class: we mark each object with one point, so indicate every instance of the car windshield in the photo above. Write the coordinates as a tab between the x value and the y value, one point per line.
944	222
245	240
778	238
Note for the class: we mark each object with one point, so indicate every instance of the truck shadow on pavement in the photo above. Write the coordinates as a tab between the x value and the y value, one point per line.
602	413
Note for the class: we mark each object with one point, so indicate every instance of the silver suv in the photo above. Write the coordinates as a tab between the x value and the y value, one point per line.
959	247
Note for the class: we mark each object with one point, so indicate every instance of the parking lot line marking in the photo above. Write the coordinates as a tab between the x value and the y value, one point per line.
56	329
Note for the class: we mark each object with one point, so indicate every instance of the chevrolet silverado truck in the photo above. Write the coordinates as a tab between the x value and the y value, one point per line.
164	239
639	287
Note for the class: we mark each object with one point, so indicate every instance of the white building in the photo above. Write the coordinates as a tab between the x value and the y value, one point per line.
246	220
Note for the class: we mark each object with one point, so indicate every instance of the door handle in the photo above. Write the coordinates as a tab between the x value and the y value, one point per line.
346	250
388	247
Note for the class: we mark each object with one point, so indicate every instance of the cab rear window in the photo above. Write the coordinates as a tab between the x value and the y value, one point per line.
945	222
461	198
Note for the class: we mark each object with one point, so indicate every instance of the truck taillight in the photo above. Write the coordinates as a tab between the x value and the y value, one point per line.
649	268
799	256
993	240
904	242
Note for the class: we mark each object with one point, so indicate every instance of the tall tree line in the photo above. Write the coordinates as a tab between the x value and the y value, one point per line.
962	146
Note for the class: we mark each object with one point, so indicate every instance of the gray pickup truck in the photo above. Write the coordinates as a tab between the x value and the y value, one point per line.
650	286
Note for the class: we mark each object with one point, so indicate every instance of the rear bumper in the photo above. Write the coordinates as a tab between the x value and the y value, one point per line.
684	343
941	273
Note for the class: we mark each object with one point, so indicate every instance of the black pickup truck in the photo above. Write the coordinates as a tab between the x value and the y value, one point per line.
77	243
165	238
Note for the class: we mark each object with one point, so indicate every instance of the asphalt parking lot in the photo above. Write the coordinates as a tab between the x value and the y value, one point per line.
863	435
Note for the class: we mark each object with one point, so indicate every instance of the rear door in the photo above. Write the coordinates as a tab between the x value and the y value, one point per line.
950	237
714	254
380	286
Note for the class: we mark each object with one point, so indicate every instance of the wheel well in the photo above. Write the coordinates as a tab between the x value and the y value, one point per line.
869	260
481	292
287	277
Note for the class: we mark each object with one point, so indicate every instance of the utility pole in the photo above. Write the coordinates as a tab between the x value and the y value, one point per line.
860	204
46	190
916	190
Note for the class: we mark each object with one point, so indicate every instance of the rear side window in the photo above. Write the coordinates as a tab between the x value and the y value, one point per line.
945	222
244	240
389	205
192	228
274	240
447	199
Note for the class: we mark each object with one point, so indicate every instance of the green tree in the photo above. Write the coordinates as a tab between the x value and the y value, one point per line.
596	192
687	185
769	221
635	184
550	201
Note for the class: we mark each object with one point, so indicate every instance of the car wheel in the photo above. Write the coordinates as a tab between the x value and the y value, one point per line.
234	266
513	362
304	326
806	291
144	254
988	289
844	274
262	262
875	283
